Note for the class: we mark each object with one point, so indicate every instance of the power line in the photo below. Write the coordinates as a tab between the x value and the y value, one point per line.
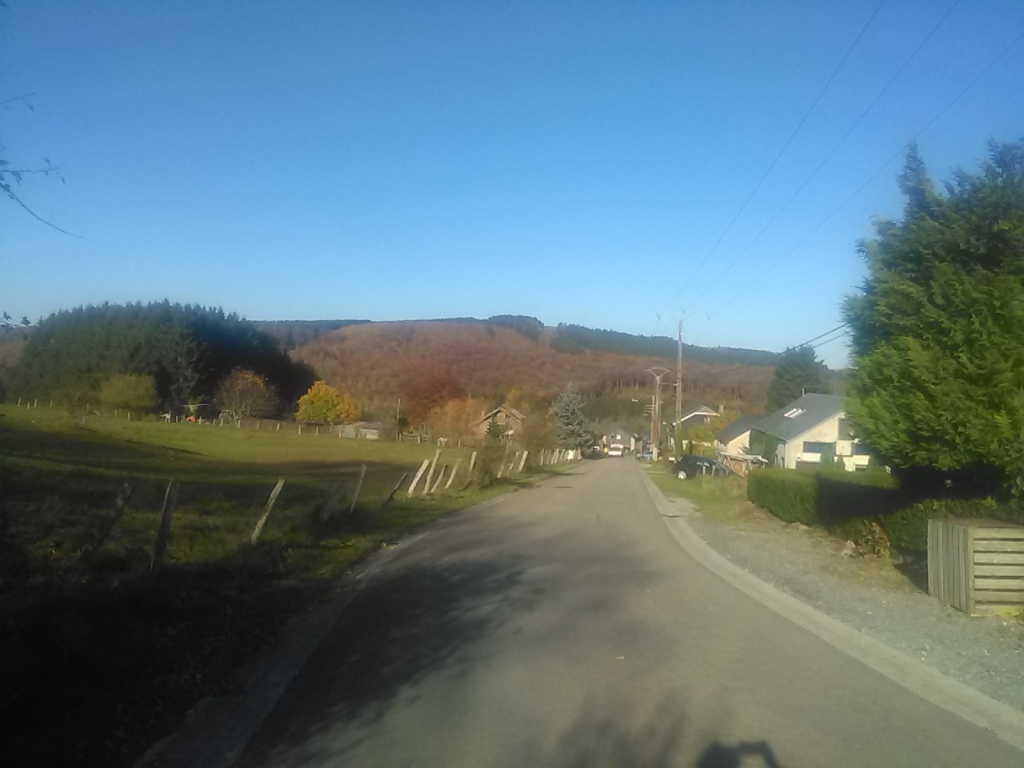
771	355
778	156
881	168
832	151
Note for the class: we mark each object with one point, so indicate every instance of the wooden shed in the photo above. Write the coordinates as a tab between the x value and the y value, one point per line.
976	566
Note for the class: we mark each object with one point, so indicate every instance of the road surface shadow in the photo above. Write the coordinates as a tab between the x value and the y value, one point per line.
755	754
652	734
408	623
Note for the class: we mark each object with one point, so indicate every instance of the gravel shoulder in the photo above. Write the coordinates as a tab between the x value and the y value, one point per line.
872	596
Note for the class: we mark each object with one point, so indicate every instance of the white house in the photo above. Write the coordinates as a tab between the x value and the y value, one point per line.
735	438
804	430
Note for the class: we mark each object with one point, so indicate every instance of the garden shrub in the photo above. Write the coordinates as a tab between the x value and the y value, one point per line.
866	532
786	493
490	454
871	509
907	528
846	496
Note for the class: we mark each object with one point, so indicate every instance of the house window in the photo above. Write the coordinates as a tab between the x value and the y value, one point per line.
844	430
792	413
860	450
810	447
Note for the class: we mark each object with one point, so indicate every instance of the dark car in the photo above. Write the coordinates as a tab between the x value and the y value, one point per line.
695	466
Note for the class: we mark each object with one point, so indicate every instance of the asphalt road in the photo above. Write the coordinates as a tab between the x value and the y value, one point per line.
565	626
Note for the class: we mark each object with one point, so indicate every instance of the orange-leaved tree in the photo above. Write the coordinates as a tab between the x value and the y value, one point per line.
456	418
323	404
431	388
244	394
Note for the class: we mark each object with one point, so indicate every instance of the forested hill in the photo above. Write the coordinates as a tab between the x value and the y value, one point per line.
565	338
291	334
188	350
620	343
376	363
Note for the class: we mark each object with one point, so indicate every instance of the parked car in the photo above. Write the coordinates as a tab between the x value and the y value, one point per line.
689	467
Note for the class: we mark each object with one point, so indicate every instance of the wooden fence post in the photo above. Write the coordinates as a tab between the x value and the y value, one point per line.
119	507
522	461
328	508
452	475
359	487
255	538
472	461
395	489
419	474
440	477
164	534
430	474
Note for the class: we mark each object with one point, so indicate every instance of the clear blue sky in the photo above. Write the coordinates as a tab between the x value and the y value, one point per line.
572	161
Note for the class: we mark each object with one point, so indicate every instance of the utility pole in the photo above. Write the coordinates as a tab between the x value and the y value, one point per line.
657	373
679	378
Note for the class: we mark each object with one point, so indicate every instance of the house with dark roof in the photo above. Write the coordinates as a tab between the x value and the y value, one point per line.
797	435
509	419
735	438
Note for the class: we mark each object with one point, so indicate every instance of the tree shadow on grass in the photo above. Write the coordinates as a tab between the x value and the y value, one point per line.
409	624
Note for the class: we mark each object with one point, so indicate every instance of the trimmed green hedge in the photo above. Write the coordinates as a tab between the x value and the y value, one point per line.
868	508
789	495
908	528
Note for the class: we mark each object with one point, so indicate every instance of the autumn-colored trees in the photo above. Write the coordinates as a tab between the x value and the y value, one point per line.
702	436
244	394
323	404
378	363
455	418
428	390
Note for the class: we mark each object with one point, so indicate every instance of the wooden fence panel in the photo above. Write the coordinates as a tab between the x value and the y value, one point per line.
976	566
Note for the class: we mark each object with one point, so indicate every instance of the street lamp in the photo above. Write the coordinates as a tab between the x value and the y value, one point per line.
657	373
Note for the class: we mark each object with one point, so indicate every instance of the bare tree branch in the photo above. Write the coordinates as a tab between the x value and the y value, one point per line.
10	193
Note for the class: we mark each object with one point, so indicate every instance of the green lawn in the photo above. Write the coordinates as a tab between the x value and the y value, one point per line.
720	498
103	656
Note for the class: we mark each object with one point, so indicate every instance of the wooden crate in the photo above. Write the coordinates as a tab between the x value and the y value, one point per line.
976	566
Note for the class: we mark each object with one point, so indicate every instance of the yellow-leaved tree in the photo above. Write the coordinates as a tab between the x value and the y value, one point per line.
323	404
702	436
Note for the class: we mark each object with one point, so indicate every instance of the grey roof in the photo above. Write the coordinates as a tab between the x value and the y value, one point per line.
739	427
689	409
816	409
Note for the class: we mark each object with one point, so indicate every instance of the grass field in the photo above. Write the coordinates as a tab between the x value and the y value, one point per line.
102	656
720	498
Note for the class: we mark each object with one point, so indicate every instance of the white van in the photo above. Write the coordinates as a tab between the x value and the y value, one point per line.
615	449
